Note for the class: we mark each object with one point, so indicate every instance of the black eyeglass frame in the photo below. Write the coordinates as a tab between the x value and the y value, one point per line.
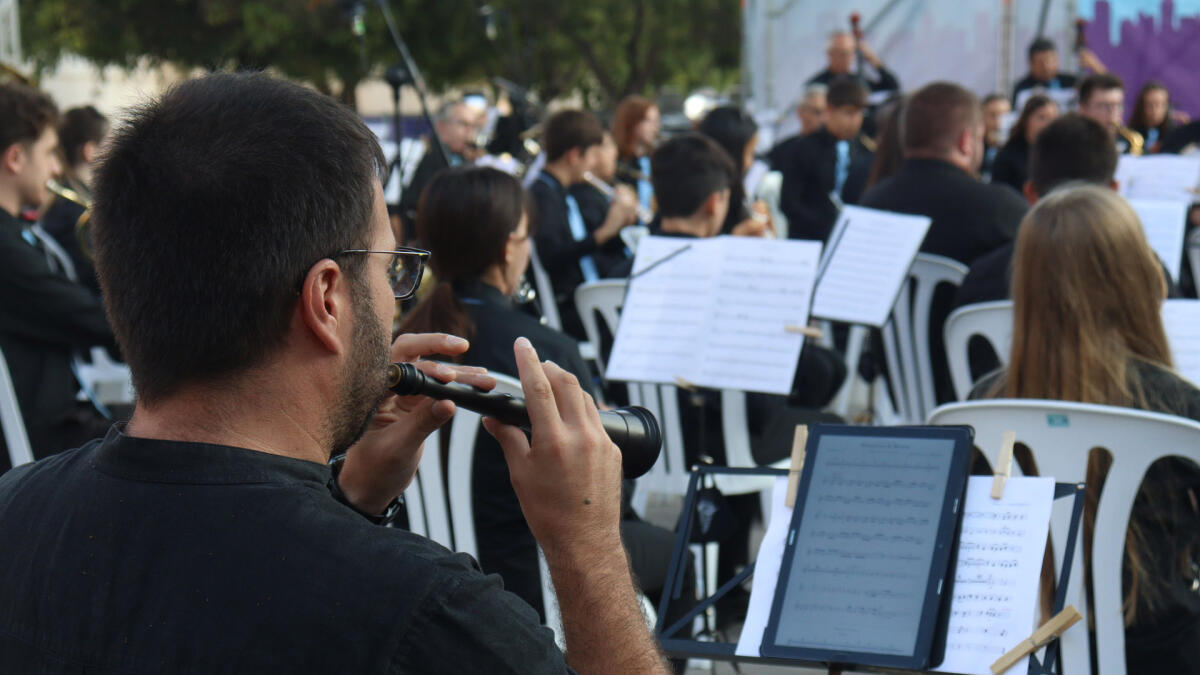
421	254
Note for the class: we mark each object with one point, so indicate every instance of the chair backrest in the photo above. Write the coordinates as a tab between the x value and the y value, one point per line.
1193	253
632	235
19	451
463	433
906	336
604	298
425	498
770	189
1061	435
545	290
991	321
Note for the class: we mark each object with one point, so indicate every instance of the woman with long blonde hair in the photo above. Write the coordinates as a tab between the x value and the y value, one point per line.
1087	296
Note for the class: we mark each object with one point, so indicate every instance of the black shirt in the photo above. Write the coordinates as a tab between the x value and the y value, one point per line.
1182	137
886	82
612	259
557	248
131	555
1011	166
1059	81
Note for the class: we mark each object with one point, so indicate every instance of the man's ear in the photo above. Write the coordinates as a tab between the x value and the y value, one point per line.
966	142
325	305
12	160
1030	194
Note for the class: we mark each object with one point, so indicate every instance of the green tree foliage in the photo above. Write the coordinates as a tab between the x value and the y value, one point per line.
602	48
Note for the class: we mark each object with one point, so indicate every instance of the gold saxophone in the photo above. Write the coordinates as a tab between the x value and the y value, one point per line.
82	232
1137	144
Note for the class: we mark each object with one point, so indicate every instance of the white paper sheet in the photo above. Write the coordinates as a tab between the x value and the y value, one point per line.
999	569
766	572
1169	177
714	312
1181	320
1164	222
867	260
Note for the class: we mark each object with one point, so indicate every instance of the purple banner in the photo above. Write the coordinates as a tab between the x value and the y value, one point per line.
1140	47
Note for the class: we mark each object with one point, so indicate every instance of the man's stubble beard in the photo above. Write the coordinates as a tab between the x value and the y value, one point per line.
364	383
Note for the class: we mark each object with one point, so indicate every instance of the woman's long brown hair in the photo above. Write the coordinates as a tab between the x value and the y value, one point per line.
1087	293
630	112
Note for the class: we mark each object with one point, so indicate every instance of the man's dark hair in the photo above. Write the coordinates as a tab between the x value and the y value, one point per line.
570	129
1071	148
77	128
685	171
936	115
1098	82
25	113
846	90
211	205
1040	45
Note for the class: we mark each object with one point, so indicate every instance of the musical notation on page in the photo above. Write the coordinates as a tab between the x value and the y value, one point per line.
1181	320
1161	177
1164	222
866	263
995	592
863	555
715	314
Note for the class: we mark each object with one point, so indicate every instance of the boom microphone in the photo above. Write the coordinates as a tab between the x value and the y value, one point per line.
634	429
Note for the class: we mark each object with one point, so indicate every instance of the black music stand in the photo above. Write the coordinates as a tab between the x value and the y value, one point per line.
683	647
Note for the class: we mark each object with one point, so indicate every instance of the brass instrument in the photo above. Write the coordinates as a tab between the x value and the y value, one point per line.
1137	144
82	232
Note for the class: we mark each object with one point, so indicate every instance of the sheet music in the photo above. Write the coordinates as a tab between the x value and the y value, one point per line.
766	572
716	313
999	568
867	260
1181	319
1169	177
865	545
1164	222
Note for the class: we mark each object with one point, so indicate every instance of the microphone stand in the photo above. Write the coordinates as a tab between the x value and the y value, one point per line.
418	82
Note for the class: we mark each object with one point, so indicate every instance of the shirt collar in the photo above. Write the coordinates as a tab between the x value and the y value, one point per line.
480	290
148	459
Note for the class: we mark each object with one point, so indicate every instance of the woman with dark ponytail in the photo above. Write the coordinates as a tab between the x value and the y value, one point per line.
475	222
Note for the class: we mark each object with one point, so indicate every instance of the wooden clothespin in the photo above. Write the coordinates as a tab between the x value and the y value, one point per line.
685	384
1004	464
799	441
807	331
1042	636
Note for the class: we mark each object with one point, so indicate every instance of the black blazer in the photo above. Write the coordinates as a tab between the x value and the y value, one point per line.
970	218
1011	166
808	178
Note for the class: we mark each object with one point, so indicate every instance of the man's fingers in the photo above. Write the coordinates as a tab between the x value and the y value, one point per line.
475	377
439	371
539	396
411	346
511	439
566	394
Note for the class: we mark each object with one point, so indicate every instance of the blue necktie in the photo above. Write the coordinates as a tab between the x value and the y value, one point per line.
644	189
1151	137
842	168
579	231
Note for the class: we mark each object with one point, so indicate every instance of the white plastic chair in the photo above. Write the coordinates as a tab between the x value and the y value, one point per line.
463	432
545	290
993	322
1193	254
632	235
604	297
1060	436
906	335
15	437
109	381
425	498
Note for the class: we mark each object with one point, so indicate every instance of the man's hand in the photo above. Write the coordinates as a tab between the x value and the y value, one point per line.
382	463
621	213
869	54
568	475
1089	60
568	479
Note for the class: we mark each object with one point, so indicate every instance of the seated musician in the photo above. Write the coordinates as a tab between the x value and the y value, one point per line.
1087	292
475	221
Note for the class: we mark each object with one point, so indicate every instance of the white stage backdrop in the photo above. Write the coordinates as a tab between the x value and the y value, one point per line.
921	41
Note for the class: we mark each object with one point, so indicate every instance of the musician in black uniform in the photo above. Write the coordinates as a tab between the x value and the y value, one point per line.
1044	75
841	53
80	135
456	125
829	167
1102	98
613	259
565	246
